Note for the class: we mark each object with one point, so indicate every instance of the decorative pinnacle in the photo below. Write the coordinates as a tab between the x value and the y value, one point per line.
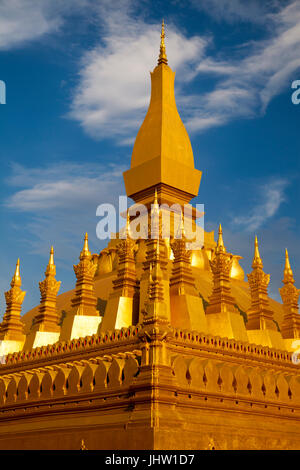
220	244
127	229
51	259
155	197
155	205
162	53
288	273
51	269
257	261
16	280
181	231
85	251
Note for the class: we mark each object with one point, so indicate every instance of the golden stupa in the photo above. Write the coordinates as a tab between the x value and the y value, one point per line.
158	346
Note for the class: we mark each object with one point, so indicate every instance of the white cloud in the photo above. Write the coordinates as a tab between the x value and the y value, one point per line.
22	21
114	82
57	204
63	186
271	197
253	11
263	73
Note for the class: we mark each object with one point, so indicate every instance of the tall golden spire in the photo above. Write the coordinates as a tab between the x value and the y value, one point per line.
257	261
162	154
51	268
162	52
84	301
16	280
220	244
290	327
221	299
122	307
288	273
47	318
260	315
85	253
12	327
127	228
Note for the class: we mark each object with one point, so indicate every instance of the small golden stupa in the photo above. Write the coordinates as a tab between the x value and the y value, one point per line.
159	346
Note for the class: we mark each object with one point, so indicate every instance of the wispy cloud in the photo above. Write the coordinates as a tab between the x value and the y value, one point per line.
114	82
254	11
58	203
271	196
22	21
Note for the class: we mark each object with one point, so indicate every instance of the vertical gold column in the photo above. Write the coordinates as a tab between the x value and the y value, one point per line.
155	246
12	328
83	319
84	302
122	308
45	329
223	318
290	328
186	306
260	325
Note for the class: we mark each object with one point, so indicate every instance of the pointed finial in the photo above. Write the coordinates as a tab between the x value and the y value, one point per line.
127	229
162	53
85	251
288	273
16	280
51	259
181	232
51	268
257	261
155	205
155	197
220	244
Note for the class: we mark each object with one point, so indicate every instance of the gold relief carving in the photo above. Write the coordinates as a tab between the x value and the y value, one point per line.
221	264
85	268
289	294
15	295
258	279
211	444
49	286
82	445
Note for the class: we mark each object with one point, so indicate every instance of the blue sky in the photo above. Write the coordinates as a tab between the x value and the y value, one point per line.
78	85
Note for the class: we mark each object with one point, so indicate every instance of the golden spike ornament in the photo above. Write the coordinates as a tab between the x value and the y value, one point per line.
288	276
260	316
290	327
220	244
221	299
12	327
47	318
257	261
162	51
85	253
84	302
